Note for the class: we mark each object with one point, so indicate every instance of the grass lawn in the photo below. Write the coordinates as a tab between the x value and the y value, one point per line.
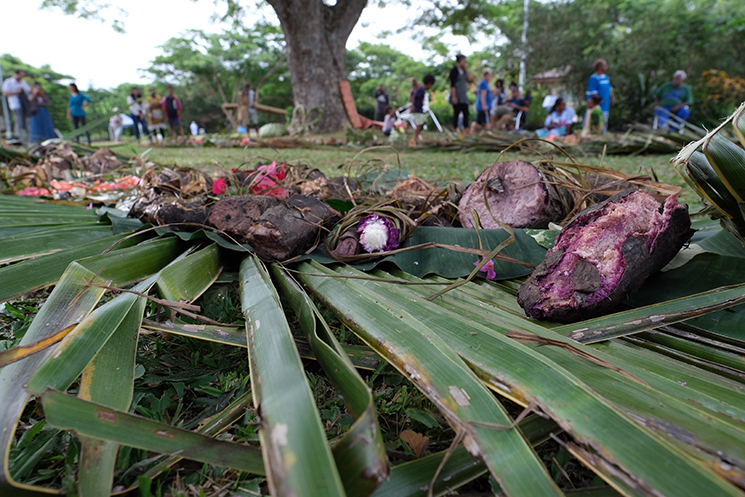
437	167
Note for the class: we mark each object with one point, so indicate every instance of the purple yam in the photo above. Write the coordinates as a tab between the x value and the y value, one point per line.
604	255
516	194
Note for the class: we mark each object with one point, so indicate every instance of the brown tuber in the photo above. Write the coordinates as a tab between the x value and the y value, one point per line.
514	193
604	255
276	229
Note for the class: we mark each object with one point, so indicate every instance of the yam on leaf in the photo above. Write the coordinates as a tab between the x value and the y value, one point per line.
604	255
515	193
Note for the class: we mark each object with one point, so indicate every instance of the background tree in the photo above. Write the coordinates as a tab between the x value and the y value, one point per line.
644	43
211	69
315	35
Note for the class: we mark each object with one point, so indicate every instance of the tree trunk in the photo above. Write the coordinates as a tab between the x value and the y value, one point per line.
316	36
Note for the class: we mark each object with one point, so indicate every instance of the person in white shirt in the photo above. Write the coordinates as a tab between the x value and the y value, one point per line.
194	128
559	120
138	113
14	88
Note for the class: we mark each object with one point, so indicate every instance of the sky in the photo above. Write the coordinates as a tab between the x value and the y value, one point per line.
92	53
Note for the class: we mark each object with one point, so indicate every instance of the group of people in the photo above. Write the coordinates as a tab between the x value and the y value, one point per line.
29	106
672	99
153	113
496	108
417	96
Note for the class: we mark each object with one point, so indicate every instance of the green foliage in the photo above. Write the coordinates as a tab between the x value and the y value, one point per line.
370	65
643	41
211	69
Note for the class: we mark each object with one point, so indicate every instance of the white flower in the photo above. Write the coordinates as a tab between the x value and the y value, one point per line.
374	236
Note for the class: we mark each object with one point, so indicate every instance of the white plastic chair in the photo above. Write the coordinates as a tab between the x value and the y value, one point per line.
404	114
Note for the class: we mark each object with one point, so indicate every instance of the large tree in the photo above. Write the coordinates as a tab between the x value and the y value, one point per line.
316	36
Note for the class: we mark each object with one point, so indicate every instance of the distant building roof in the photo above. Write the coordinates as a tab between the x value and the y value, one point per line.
552	75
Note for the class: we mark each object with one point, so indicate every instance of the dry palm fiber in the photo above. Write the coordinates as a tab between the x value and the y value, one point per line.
603	255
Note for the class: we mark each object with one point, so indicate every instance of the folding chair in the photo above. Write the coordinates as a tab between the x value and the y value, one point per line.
404	114
673	121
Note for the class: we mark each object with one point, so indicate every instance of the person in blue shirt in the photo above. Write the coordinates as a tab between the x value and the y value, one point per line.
483	102
599	84
76	109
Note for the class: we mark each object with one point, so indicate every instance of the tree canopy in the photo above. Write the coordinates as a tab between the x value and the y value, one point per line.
644	42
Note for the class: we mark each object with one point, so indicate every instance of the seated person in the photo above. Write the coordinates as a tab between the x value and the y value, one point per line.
508	112
675	97
559	120
594	117
499	97
389	120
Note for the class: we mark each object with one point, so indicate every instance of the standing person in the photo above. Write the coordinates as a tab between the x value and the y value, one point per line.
194	128
247	116
156	118
171	106
76	109
420	118
137	111
381	102
414	88
459	79
42	127
599	84
675	97
14	88
483	102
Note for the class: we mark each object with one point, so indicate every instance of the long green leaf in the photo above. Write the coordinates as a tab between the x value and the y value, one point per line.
79	347
70	301
211	426
104	423
412	479
485	304
360	454
361	356
727	159
653	316
74	353
298	458
49	240
35	274
409	345
192	277
108	380
671	408
523	372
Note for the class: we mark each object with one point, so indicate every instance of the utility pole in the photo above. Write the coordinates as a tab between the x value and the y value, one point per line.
524	50
6	112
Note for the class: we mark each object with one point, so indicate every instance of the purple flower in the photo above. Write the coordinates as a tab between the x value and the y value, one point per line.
378	234
488	268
